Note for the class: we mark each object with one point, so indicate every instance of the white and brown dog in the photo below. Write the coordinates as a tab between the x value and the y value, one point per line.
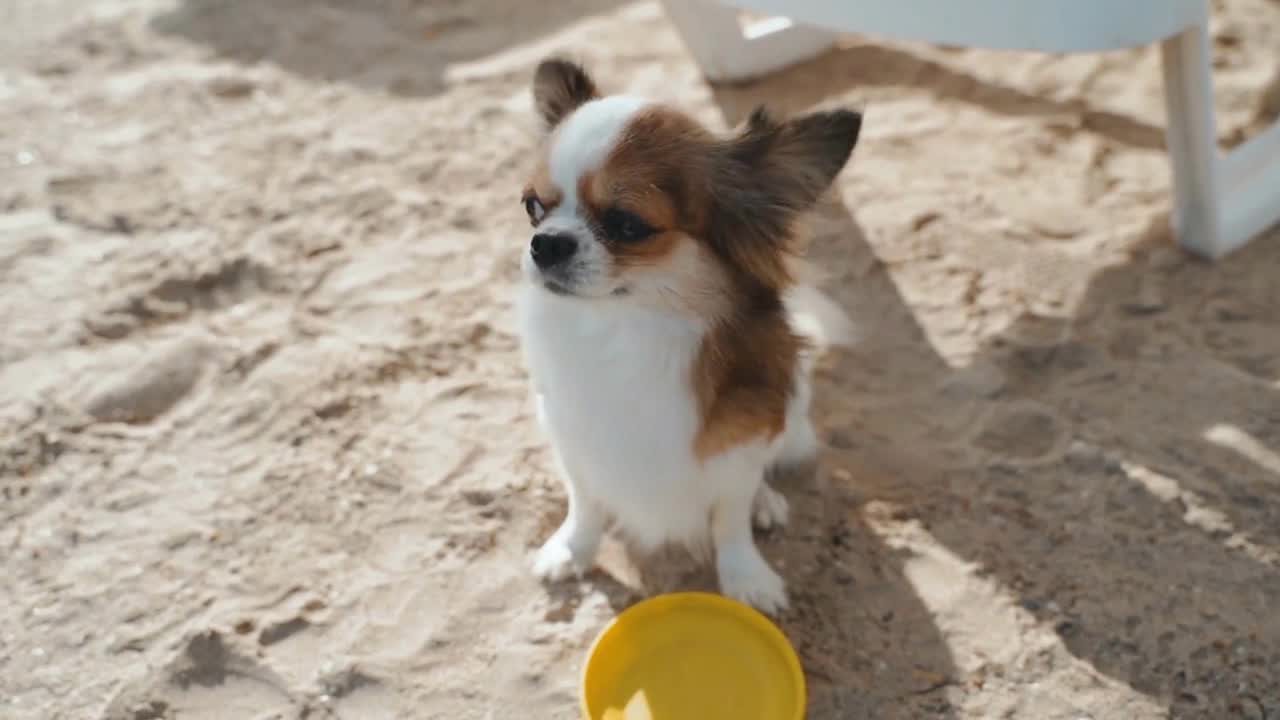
667	370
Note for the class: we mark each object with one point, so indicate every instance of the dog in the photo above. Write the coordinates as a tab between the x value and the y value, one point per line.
667	369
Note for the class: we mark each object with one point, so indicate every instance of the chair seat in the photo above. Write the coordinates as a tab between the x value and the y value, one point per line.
1036	25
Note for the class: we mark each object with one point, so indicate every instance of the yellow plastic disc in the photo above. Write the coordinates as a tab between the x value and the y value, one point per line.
692	656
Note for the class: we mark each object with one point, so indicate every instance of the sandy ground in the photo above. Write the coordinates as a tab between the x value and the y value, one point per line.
265	446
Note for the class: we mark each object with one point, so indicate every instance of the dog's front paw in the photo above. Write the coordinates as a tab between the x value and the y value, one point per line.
556	560
749	579
769	510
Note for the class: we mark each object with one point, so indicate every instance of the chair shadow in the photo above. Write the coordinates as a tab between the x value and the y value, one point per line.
871	66
1155	522
1122	485
397	46
1116	470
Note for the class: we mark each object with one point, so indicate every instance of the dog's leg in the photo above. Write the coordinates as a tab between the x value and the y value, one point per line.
744	573
798	449
769	509
571	550
799	440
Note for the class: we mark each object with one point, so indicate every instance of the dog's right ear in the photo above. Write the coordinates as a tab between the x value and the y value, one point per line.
559	87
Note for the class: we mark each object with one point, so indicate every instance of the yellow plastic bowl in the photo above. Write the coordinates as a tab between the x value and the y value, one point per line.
692	656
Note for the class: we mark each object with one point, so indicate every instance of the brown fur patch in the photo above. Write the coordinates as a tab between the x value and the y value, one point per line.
761	184
743	378
650	174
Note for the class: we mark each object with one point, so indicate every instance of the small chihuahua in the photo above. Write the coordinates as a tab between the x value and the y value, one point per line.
667	370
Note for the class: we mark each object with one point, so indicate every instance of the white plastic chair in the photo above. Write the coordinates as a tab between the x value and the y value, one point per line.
1220	200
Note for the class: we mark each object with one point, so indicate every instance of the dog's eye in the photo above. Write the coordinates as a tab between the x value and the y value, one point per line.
625	227
533	206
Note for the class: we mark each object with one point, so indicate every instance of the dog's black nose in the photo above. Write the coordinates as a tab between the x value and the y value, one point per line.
550	249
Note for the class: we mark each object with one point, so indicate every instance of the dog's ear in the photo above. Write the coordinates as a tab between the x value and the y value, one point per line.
796	160
770	173
559	87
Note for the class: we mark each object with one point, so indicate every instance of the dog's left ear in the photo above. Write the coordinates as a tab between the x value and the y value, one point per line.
796	160
559	87
770	173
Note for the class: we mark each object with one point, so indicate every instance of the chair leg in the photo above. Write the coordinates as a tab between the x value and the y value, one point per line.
1193	142
1251	184
726	53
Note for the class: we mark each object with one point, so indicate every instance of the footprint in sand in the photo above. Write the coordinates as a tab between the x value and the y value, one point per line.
354	695
152	388
207	680
181	292
1021	433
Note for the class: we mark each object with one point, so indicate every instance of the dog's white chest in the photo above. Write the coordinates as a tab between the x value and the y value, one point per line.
615	396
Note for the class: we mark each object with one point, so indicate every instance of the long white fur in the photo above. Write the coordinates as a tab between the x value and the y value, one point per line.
614	389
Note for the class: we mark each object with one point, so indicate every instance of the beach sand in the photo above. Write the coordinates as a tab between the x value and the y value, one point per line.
266	449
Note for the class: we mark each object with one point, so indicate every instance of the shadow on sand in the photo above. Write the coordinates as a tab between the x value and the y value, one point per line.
399	46
1115	470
